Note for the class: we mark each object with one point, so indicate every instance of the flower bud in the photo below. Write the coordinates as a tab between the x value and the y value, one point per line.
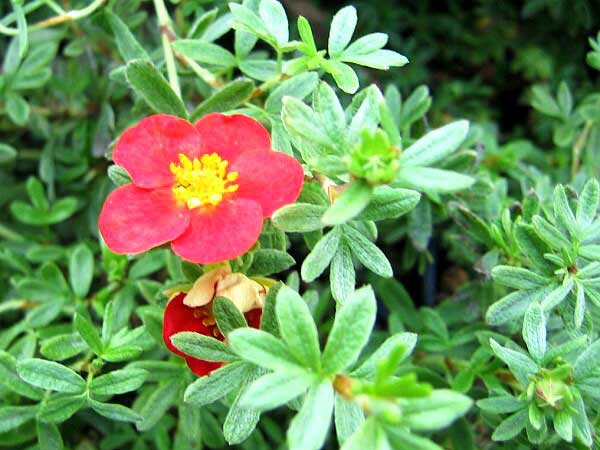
374	159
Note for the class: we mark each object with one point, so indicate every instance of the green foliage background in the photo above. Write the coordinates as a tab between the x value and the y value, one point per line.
482	248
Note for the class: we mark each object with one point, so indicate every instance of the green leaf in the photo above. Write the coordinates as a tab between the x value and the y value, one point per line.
13	416
518	277
581	424
351	330
228	316
315	415
557	296
519	364
429	179
586	363
320	256
298	328
229	97
118	381
543	101
367	252
240	422
501	405
218	384
549	233
341	30
367	369
298	86
89	333
49	437
345	76
22	36
300	120
436	145
306	34
149	83
205	52
81	270
389	203
511	426
565	100
63	346
262	348
7	153
415	106
563	424
401	438
563	211
367	44
10	379
342	275
17	108
532	247
328	107
353	200
203	347
534	331
273	16
155	406
60	407
114	411
587	206
369	435
435	411
128	46
50	375
275	389
379	59
268	261
299	218
348	416
268	320
118	175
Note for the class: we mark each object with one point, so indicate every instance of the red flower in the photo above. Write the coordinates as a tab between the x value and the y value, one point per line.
192	311
179	317
206	188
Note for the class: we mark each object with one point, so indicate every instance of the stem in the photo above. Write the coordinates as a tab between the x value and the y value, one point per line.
12	305
578	147
10	18
203	73
69	16
166	32
56	7
10	235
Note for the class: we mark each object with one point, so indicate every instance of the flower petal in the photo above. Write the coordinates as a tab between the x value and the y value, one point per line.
253	317
220	233
177	318
273	179
147	149
230	136
133	220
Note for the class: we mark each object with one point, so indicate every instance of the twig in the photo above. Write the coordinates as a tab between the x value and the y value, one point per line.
166	33
578	147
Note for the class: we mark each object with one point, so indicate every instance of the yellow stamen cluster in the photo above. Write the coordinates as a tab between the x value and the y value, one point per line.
202	181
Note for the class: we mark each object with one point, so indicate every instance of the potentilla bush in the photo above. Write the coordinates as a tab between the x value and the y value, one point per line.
212	225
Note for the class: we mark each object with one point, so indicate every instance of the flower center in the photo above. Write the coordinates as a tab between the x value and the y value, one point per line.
202	181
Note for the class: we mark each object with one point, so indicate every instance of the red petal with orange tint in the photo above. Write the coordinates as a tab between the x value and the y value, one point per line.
230	136
273	179
220	233
147	149
133	220
177	318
